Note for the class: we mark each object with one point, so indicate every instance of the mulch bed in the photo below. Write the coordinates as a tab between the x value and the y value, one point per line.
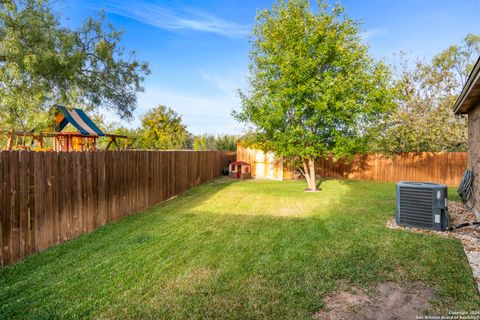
469	236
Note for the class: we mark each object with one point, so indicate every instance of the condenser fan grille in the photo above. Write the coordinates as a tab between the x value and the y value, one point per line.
416	207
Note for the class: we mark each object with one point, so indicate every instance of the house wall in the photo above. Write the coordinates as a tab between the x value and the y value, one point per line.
474	154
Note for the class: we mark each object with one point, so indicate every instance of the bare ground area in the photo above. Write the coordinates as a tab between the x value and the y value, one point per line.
386	301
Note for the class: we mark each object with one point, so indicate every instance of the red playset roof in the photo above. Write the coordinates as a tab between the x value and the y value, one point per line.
239	163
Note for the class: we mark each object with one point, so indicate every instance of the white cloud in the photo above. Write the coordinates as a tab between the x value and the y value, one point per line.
228	83
373	32
201	113
175	19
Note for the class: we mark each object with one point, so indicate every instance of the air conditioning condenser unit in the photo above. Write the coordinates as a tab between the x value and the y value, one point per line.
422	205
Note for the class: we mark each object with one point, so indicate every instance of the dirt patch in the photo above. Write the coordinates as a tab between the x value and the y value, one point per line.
387	301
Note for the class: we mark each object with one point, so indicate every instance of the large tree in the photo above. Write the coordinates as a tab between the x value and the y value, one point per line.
43	63
314	89
424	119
162	128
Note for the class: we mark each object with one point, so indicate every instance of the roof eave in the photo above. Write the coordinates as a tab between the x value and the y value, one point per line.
460	107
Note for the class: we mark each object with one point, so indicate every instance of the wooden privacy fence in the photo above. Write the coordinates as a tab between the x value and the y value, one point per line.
439	167
51	197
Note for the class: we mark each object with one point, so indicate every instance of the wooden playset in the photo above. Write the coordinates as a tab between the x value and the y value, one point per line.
85	139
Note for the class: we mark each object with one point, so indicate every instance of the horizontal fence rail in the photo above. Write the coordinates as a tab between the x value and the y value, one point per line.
438	167
50	197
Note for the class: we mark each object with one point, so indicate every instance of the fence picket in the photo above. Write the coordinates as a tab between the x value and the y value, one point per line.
5	205
14	207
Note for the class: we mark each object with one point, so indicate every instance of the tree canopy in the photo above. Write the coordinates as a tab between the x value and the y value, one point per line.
314	90
162	128
43	63
213	142
424	119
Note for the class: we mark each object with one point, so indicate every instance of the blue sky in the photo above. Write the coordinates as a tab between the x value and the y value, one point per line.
198	50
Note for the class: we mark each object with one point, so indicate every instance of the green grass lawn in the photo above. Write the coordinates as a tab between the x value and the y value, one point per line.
237	249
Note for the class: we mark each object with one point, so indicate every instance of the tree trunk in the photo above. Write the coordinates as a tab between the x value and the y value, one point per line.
309	173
